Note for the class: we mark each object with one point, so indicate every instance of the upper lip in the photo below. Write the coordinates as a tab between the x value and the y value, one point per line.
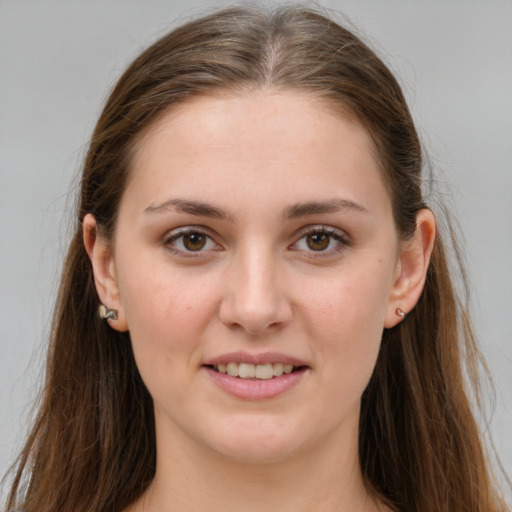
263	358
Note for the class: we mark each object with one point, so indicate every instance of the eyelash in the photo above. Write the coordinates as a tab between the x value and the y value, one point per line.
331	233
181	234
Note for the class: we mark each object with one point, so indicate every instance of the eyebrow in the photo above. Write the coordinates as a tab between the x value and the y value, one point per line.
295	211
318	207
191	207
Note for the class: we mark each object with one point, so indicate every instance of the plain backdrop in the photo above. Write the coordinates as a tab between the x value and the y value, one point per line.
58	59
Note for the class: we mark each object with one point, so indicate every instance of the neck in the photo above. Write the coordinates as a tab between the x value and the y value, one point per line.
189	479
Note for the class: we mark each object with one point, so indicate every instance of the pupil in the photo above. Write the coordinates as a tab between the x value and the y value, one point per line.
318	241
194	241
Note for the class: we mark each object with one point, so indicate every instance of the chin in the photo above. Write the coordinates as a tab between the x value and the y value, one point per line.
258	442
253	453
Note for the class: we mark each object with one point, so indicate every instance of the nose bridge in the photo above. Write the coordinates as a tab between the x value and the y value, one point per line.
254	298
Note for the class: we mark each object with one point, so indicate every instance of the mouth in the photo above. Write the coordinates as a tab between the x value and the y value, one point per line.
265	371
256	376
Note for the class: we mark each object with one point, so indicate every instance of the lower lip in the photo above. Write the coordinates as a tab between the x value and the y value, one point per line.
256	389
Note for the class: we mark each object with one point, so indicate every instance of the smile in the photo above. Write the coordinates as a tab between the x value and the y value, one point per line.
256	376
255	371
256	388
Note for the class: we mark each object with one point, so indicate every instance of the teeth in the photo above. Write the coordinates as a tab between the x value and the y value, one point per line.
232	369
246	371
264	371
278	369
258	371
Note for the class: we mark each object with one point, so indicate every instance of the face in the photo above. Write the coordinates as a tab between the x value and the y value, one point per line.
256	261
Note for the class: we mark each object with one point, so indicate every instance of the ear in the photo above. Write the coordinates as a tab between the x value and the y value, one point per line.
412	268
102	260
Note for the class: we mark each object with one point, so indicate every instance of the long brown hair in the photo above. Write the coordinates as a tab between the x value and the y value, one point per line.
92	447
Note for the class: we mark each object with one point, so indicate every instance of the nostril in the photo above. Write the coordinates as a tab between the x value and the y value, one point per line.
255	302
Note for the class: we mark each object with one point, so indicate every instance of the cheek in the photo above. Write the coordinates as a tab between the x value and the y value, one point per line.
353	300
165	322
166	313
351	340
346	319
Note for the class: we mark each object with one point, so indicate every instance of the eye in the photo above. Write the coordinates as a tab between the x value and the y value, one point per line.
190	241
322	240
318	241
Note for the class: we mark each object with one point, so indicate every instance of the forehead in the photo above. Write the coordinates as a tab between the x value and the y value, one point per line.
259	107
253	143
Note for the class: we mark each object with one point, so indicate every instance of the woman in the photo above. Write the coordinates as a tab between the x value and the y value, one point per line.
256	310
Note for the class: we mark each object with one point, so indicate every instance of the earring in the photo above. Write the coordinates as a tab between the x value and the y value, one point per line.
399	312
106	313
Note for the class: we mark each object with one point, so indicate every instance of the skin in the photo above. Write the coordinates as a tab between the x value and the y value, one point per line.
258	284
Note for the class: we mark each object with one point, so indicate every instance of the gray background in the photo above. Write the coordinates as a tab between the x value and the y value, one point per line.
58	59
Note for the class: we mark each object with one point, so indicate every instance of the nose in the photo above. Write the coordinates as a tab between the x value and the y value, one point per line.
255	296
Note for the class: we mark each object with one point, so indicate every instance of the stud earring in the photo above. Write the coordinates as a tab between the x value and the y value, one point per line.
106	313
399	312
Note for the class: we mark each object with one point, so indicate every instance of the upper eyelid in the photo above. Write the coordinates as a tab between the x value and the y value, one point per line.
176	233
207	231
299	234
172	236
337	233
203	230
320	228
